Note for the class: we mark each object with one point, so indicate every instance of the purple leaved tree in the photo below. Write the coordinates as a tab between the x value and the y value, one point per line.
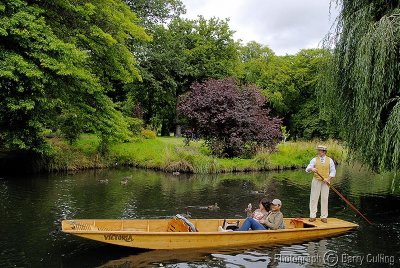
230	118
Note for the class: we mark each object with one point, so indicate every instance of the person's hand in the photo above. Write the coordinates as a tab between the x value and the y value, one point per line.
327	181
249	212
262	221
314	170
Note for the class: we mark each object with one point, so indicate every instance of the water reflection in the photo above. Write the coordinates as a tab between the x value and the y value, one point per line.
31	209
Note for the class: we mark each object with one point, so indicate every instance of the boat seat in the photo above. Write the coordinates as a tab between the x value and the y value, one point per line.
297	223
176	225
85	227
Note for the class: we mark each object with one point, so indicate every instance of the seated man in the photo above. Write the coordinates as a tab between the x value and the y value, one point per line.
274	220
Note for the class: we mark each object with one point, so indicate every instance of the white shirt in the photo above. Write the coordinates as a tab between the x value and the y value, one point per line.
332	168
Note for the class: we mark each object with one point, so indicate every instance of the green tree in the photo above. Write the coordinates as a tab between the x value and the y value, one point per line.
58	62
180	54
362	82
290	85
105	29
255	59
260	66
156	12
308	119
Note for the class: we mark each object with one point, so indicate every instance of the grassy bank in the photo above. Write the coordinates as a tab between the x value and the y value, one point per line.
169	154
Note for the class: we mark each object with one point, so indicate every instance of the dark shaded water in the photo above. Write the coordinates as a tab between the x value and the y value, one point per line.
31	209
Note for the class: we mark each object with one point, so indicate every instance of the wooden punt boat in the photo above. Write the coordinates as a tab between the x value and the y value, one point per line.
156	233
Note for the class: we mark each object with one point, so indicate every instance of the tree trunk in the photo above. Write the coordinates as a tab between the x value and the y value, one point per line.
178	131
164	129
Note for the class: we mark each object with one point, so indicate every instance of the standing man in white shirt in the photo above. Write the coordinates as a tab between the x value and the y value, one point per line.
325	166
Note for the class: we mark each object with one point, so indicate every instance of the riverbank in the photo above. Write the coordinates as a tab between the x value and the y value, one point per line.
169	154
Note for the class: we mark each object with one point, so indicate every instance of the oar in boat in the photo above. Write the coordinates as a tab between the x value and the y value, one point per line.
344	199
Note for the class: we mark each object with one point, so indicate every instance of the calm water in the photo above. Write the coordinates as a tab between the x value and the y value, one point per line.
31	209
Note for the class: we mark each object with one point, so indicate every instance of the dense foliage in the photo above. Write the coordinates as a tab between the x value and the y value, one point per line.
289	83
231	118
112	67
154	12
58	61
362	83
180	54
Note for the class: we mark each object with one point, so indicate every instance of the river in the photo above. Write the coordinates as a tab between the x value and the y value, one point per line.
31	208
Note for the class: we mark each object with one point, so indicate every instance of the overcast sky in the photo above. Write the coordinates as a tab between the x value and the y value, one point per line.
286	26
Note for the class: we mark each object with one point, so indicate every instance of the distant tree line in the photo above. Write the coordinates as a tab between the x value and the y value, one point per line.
105	67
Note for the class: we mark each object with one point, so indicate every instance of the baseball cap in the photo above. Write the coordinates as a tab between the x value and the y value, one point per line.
277	202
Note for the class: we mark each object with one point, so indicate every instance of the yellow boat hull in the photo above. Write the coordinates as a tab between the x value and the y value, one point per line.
152	234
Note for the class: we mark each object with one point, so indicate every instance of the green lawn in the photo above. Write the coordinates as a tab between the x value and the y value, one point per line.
170	154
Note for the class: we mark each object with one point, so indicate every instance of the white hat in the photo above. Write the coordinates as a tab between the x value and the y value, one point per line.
322	148
277	202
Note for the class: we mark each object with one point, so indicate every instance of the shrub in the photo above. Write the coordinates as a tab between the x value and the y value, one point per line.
181	166
263	159
148	134
134	125
231	118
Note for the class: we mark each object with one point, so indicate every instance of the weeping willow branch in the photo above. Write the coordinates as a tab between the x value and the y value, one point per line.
361	84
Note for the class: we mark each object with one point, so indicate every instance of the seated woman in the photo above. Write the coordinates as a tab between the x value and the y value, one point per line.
254	218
